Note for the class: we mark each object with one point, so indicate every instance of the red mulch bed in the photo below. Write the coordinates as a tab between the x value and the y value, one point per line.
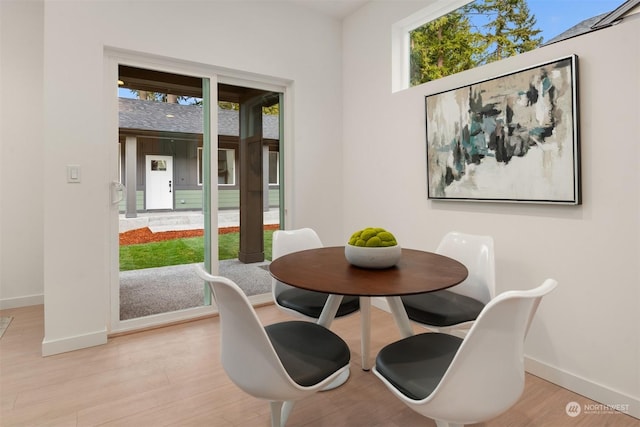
145	235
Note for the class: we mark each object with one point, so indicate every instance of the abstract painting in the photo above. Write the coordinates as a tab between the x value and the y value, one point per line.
512	138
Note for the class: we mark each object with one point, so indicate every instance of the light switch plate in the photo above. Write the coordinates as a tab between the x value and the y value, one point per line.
73	173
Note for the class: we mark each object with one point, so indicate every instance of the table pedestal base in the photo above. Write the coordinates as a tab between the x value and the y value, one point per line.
397	310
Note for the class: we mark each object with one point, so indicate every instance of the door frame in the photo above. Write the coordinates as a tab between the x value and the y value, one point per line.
216	75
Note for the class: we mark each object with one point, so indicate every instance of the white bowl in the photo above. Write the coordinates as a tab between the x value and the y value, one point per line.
376	257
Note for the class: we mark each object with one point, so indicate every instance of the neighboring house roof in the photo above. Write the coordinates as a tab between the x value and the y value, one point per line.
596	22
178	118
617	14
580	28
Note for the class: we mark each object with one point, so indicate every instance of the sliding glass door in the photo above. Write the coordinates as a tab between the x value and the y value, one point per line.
164	209
197	178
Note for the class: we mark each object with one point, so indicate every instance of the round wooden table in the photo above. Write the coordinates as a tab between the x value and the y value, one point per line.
327	270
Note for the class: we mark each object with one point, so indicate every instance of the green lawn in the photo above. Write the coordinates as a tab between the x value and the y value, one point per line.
182	251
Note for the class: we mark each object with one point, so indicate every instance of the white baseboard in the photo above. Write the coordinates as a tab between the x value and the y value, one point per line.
600	393
51	347
261	299
25	301
624	403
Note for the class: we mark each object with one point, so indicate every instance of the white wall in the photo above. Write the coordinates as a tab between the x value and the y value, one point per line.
586	334
71	221
21	160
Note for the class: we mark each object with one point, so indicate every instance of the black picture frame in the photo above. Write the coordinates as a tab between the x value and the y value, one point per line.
511	138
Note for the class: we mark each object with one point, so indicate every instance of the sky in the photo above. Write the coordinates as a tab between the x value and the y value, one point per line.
556	16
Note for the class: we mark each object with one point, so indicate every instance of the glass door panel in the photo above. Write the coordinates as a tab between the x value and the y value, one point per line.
162	131
248	183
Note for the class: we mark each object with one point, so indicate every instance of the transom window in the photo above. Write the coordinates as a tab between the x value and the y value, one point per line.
451	36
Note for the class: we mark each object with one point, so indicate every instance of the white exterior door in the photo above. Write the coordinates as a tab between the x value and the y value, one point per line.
159	182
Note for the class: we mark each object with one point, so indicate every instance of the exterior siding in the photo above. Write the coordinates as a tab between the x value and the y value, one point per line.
228	199
188	200
274	197
139	203
192	200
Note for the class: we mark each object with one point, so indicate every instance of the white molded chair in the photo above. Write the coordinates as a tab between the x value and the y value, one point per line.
457	307
282	362
459	381
300	302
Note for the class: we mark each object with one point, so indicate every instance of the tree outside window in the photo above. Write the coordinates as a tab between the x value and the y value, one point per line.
481	32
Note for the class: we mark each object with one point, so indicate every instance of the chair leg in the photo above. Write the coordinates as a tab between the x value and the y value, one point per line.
286	410
276	414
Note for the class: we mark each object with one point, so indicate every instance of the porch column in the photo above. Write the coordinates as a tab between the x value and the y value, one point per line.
130	175
251	191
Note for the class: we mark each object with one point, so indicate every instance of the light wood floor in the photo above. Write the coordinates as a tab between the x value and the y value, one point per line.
172	376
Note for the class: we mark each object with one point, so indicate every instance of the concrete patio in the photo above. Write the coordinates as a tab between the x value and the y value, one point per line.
157	290
188	220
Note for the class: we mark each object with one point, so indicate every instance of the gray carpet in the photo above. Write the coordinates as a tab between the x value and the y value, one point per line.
160	290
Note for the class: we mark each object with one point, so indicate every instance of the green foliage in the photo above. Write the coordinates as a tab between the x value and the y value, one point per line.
163	97
187	100
226	105
451	43
229	246
510	30
158	254
272	110
182	251
442	47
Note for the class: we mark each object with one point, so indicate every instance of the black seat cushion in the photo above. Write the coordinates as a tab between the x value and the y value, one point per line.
309	352
441	308
416	364
311	303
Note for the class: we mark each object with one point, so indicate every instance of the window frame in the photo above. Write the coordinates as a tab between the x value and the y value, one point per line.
199	155
233	175
400	46
277	167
